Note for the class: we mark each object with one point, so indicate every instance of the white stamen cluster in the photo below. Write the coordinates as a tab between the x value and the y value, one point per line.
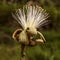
31	16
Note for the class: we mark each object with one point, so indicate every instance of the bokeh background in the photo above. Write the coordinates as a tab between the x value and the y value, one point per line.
10	49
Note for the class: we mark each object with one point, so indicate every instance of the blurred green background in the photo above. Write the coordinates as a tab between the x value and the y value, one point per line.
10	49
